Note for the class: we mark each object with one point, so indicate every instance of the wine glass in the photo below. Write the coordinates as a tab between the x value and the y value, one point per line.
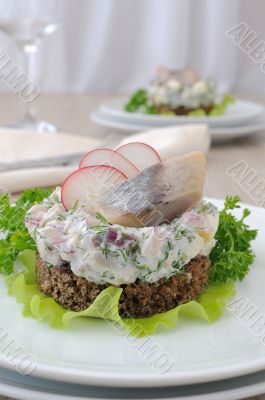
27	22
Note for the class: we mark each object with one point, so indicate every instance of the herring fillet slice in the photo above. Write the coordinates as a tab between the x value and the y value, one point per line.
157	194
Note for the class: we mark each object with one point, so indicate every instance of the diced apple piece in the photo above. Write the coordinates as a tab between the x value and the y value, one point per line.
86	186
140	154
157	194
110	158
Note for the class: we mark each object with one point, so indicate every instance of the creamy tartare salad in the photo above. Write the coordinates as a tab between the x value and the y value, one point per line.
110	253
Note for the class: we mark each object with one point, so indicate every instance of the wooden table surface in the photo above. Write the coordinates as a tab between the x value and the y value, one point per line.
70	112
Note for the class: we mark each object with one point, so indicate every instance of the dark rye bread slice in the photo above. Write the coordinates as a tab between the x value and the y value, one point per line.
140	299
181	110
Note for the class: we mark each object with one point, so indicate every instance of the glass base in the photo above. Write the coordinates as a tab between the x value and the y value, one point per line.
34	125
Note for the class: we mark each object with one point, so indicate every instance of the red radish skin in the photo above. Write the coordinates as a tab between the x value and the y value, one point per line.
110	158
84	187
140	154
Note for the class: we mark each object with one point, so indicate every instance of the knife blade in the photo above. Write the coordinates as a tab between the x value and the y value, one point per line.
68	159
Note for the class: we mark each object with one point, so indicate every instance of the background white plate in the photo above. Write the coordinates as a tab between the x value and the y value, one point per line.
236	114
93	352
30	388
224	133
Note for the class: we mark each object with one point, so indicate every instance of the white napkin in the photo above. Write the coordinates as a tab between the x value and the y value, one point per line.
26	145
16	181
18	145
175	141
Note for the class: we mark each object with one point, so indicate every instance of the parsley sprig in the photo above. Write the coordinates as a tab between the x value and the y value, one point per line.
139	102
232	255
15	236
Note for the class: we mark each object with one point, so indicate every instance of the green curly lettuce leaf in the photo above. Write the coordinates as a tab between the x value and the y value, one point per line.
220	108
217	109
14	234
199	112
209	306
232	255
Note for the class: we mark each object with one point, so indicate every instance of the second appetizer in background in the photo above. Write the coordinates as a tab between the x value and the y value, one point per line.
181	92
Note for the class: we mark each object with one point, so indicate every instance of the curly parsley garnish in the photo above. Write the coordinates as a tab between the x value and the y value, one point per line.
14	234
139	102
232	255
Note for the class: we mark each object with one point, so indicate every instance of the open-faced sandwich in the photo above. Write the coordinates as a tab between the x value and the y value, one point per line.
180	92
128	222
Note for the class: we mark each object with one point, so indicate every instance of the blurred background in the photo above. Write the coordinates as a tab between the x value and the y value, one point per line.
115	45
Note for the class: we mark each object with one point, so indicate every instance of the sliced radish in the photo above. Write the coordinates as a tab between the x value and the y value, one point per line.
110	158
140	154
86	186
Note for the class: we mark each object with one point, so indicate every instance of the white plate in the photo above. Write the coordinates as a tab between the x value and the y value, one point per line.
218	134
30	388
93	352
236	114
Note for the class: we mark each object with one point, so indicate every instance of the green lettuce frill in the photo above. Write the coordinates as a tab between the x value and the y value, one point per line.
22	286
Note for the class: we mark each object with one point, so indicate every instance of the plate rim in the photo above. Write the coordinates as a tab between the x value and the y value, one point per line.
30	390
217	133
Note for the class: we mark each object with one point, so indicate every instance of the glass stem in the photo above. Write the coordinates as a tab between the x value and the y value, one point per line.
29	62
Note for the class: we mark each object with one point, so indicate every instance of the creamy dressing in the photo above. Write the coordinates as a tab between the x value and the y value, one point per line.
104	253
